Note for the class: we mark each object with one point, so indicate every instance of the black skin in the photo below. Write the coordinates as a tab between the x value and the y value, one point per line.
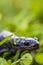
10	47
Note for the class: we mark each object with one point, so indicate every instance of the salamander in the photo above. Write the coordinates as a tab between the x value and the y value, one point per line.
17	43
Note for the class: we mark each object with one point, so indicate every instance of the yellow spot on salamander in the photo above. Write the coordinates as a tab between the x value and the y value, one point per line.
15	43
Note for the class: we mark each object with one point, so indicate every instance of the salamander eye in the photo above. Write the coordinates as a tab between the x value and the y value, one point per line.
26	43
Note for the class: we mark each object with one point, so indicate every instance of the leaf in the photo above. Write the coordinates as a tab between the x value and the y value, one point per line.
16	62
6	39
5	54
9	62
39	58
24	52
16	56
3	61
26	59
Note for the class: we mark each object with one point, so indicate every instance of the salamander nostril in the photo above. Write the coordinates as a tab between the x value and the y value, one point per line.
26	43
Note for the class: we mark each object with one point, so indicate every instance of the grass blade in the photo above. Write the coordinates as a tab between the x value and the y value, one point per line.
6	39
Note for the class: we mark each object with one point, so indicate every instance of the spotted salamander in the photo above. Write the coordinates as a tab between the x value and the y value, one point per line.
17	43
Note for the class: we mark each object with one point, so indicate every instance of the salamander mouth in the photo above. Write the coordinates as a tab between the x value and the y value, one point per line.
34	47
31	48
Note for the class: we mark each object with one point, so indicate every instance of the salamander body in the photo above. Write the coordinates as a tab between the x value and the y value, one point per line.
17	43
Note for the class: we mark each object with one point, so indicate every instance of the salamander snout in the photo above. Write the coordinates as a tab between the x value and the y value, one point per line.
31	44
34	45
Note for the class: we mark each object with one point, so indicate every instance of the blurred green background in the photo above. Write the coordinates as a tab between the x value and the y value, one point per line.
23	17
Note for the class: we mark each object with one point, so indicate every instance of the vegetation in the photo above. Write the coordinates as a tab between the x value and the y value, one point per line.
23	18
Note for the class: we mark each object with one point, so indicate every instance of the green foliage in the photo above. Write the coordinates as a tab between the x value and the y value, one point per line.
39	58
27	59
23	18
3	61
5	40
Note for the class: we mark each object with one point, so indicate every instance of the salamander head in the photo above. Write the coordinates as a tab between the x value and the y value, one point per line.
21	42
28	43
